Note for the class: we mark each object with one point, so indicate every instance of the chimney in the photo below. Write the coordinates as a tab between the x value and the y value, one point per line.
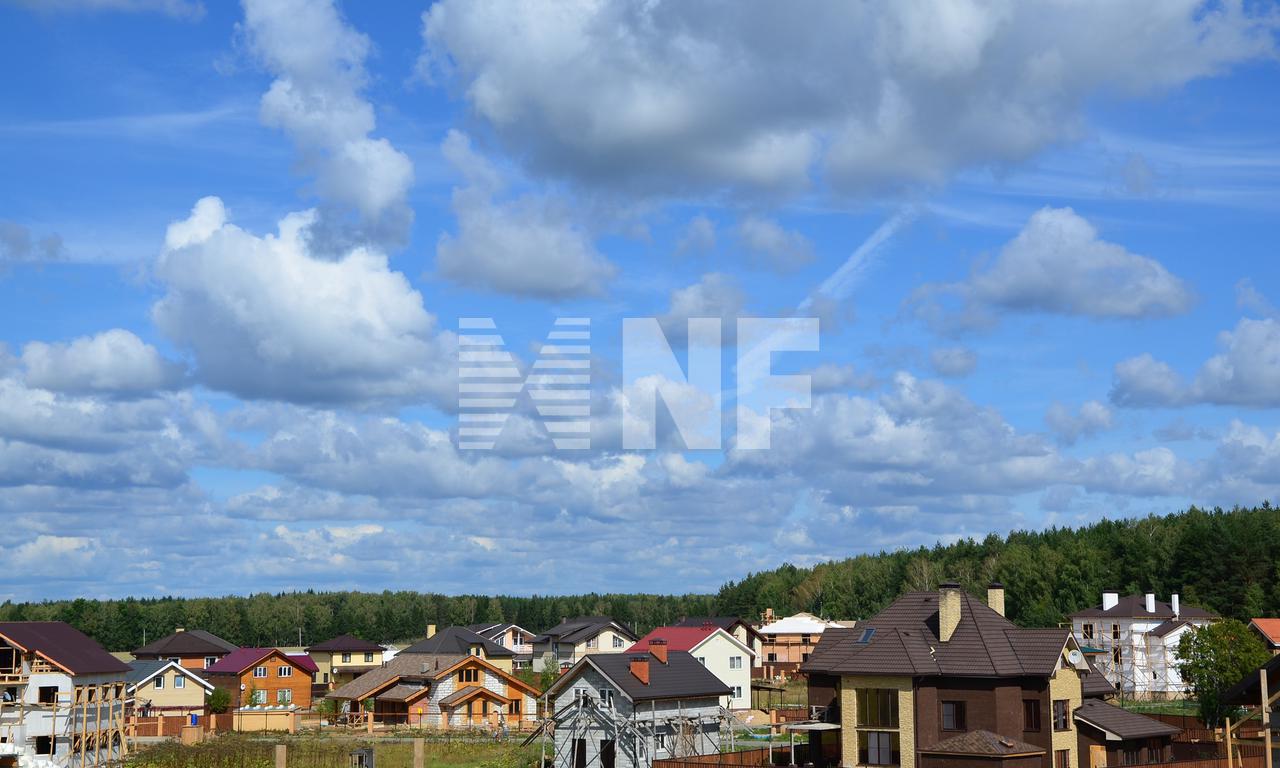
640	668
1110	598
995	597
1151	602
431	631
1173	603
948	609
658	647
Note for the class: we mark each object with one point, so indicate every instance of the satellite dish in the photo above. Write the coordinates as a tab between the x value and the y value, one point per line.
242	686
1075	657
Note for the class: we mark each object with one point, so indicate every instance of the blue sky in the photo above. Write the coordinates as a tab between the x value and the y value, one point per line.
235	242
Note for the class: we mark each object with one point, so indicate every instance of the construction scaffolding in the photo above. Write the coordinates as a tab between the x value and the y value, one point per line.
1138	663
89	719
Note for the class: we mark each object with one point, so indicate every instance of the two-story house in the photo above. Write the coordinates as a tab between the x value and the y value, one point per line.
567	642
193	649
717	650
788	642
440	691
62	697
1134	638
623	710
264	677
464	642
342	659
165	688
943	680
740	628
511	636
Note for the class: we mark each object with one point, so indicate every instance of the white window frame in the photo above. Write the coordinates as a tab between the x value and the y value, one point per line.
735	662
368	657
209	661
158	682
606	697
618	642
346	658
179	681
284	670
284	696
259	672
258	698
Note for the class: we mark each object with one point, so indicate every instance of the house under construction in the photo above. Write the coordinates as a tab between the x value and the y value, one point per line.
626	710
61	698
1133	641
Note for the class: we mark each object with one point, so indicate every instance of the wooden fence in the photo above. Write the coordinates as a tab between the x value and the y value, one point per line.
747	757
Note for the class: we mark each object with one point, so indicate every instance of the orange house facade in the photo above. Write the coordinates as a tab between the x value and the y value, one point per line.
264	677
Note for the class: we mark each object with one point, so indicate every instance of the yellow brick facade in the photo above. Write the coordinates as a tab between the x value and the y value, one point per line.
849	716
1065	684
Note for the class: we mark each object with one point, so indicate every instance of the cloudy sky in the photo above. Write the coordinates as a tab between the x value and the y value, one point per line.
1040	239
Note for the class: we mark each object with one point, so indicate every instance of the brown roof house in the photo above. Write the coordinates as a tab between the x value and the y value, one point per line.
63	697
194	649
342	659
625	709
944	680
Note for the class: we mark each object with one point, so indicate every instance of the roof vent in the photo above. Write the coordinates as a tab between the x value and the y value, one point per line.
1006	743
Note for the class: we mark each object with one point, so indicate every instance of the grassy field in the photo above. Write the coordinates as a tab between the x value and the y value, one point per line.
1175	707
241	751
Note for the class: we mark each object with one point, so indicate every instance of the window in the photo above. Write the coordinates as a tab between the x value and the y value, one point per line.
46	745
877	707
159	682
1031	715
346	658
773	657
368	658
1062	758
259	671
953	716
1086	631
515	707
179	681
804	657
593	642
618	642
606	697
659	741
737	691
877	748
284	696
209	661
284	671
326	678
1115	655
48	694
735	662
258	698
1115	631
804	639
468	675
1060	720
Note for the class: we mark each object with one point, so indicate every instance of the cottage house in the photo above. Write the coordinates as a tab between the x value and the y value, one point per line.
623	710
740	628
61	697
440	691
943	680
717	650
165	688
258	677
341	659
464	642
511	636
567	642
193	649
1134	639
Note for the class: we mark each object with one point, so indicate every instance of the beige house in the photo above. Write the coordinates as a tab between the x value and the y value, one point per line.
165	688
567	642
460	641
344	658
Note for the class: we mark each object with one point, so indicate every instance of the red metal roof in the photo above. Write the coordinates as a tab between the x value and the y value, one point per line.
678	638
1270	628
238	661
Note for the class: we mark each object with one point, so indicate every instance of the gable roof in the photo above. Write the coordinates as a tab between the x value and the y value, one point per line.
62	645
345	644
727	623
242	659
686	639
1095	684
681	677
458	640
418	667
1269	629
1121	722
983	744
583	628
189	642
142	671
903	639
1135	607
492	629
1169	626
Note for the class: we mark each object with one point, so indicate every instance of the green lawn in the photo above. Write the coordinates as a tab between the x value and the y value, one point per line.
242	751
1176	707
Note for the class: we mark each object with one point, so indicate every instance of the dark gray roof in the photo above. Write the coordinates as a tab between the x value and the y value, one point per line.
681	677
345	644
458	640
190	642
1135	607
64	645
905	641
582	628
983	744
1095	684
1122	722
143	669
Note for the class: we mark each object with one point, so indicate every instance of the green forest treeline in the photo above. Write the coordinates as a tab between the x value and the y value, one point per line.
1224	560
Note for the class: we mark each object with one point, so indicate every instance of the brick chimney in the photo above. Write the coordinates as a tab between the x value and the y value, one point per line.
995	597
431	630
658	647
948	609
640	668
